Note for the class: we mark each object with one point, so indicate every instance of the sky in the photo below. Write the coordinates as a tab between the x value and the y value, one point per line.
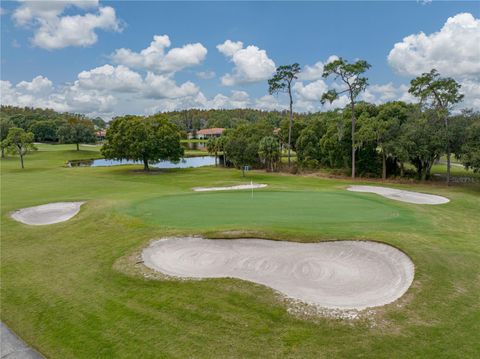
109	58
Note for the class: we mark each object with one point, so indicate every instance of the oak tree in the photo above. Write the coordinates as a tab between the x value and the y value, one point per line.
440	94
19	142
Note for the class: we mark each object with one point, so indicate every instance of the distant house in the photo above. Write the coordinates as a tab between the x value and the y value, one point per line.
206	133
100	134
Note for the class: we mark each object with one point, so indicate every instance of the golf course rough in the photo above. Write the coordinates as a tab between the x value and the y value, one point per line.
401	195
345	275
47	213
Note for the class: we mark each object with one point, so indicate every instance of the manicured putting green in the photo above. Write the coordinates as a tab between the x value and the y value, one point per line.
266	208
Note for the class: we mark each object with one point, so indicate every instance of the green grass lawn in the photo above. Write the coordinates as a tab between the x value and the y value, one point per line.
65	294
308	211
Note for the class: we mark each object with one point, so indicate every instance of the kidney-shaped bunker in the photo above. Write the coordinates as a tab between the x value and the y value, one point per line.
339	274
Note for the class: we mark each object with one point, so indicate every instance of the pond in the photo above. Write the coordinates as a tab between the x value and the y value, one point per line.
187	162
201	146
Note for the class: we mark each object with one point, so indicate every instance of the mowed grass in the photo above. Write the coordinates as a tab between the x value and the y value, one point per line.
62	293
309	211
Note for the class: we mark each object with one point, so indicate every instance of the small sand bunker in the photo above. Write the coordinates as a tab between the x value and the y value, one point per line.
338	275
399	195
228	188
47	213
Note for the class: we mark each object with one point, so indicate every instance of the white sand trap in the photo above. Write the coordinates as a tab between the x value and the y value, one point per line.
228	188
47	213
399	195
337	275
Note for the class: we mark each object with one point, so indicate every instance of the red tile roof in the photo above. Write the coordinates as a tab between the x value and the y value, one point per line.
211	131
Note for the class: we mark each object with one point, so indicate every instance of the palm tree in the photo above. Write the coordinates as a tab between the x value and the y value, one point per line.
269	152
212	148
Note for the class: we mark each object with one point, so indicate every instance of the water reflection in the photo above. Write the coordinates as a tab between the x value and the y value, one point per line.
188	162
202	146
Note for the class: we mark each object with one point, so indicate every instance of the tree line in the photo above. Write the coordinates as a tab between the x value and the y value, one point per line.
387	138
196	119
394	139
21	127
50	126
367	139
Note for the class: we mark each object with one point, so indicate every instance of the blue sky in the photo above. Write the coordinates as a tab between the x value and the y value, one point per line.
303	32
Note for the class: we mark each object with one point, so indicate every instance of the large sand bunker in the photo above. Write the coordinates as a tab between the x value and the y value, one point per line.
337	275
228	188
47	213
400	195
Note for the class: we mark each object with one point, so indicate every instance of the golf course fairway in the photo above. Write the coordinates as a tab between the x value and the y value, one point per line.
78	289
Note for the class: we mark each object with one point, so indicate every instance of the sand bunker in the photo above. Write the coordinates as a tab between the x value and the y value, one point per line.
47	213
399	195
228	188
338	275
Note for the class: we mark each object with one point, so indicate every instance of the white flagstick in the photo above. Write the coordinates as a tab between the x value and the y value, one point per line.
251	184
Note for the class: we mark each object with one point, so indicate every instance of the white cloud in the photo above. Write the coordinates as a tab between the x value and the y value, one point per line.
308	96
312	91
238	99
309	90
162	86
380	93
47	10
39	84
54	31
269	103
206	75
251	63
22	95
121	79
453	51
155	59
87	101
110	78
471	89
105	91
315	71
229	47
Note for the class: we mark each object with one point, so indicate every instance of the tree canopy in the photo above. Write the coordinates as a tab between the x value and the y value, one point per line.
19	142
438	94
471	147
76	130
269	152
350	75
149	140
5	126
282	82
